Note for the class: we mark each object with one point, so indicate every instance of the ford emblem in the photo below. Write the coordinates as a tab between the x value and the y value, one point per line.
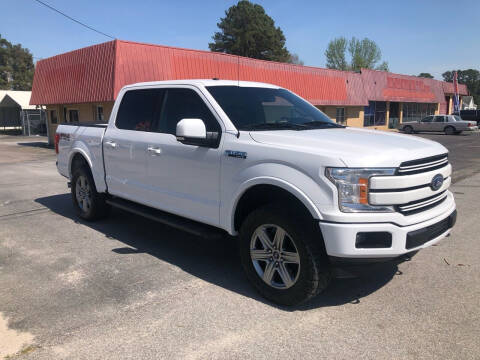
437	182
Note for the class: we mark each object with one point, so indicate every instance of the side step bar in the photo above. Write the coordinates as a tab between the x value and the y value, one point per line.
178	222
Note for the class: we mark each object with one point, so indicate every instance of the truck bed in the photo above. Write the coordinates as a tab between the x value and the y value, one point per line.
86	139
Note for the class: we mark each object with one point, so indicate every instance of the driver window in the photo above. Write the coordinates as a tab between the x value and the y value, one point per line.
427	119
439	118
184	104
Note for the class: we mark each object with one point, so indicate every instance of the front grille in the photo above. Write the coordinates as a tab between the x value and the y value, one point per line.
423	165
417	206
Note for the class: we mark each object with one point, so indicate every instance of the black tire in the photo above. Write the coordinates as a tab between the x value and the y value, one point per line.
407	129
313	273
449	130
96	207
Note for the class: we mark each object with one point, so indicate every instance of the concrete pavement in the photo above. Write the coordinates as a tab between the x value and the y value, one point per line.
129	288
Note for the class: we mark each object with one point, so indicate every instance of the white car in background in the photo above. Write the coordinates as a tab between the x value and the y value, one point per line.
449	124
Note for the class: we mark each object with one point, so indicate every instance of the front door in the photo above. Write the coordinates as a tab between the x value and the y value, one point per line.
184	179
425	124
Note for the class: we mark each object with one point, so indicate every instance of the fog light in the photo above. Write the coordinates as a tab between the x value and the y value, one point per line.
369	240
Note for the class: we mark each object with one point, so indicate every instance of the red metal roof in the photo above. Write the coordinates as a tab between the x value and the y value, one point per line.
83	75
448	88
385	86
97	73
136	62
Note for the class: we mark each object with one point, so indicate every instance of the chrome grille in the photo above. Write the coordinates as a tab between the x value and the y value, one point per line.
414	207
423	165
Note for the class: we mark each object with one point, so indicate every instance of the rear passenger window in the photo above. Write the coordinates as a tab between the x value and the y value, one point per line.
439	119
139	109
184	104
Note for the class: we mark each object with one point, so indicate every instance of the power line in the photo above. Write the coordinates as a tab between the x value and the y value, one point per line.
69	17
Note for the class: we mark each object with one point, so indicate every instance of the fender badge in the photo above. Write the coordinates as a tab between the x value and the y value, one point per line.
236	154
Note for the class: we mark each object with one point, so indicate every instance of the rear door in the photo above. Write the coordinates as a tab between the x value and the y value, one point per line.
126	143
438	123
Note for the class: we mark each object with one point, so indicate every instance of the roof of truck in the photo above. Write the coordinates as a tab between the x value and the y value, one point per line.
205	82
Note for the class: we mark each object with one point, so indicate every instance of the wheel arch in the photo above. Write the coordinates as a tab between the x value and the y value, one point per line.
78	156
81	153
258	192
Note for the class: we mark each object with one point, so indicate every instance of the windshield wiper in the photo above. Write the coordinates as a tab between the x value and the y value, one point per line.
271	126
323	124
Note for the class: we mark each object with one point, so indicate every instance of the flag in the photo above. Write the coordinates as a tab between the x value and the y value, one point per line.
456	99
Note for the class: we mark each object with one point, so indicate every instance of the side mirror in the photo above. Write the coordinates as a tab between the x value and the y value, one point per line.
194	132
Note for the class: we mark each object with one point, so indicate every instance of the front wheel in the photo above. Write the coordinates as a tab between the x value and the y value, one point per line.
449	130
283	256
88	203
408	129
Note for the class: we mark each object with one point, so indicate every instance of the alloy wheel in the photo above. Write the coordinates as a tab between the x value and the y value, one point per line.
275	256
83	193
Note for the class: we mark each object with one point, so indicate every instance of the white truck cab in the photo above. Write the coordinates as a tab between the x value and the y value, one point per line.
302	194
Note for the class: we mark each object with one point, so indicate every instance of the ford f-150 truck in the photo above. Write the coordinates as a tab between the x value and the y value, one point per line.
302	195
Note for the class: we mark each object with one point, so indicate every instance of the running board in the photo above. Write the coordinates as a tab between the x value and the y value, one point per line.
177	222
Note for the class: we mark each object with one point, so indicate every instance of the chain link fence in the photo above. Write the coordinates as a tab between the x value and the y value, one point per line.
34	122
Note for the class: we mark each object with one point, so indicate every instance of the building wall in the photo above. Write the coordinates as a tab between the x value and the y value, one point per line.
86	114
353	114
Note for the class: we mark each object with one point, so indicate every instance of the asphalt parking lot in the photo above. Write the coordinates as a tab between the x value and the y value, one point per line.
129	288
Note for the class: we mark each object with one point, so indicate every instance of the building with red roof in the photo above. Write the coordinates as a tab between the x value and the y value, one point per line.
82	85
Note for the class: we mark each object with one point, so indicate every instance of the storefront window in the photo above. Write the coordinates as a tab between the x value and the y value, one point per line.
340	116
417	111
375	113
53	116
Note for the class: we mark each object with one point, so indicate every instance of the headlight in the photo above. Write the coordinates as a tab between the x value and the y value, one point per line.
352	185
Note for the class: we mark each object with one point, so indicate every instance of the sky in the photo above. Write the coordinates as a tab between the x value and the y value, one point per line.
414	36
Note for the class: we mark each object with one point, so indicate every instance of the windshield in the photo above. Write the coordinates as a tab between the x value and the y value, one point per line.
256	108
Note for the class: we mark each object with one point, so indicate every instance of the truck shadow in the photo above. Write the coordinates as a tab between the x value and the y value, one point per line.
214	261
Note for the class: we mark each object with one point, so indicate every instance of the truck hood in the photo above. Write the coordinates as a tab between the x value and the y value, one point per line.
353	146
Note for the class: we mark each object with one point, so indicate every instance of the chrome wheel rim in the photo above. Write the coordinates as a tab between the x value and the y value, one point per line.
83	193
275	256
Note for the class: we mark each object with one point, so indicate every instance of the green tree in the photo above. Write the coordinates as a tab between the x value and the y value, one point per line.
335	54
247	30
295	59
16	66
469	77
363	53
425	75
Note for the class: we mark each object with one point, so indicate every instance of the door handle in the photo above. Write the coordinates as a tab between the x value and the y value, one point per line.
110	143
154	150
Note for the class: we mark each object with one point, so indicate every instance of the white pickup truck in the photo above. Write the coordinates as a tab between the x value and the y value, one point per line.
305	197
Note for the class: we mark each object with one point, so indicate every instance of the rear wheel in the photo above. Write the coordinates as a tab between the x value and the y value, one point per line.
283	256
88	203
449	130
408	129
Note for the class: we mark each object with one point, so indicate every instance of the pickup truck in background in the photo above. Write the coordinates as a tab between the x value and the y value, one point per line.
305	198
470	115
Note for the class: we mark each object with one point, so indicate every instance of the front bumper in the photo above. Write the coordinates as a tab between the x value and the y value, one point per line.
340	238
